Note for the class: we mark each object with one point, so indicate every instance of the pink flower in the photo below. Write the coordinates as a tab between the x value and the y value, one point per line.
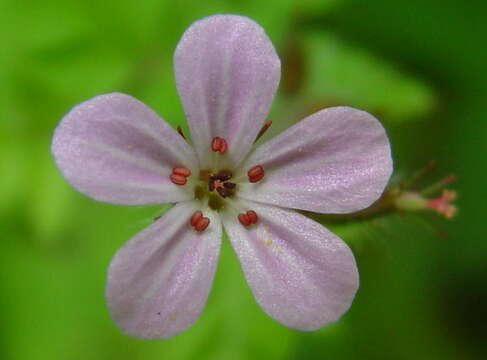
114	148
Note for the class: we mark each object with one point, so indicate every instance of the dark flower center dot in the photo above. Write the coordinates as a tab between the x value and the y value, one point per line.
216	186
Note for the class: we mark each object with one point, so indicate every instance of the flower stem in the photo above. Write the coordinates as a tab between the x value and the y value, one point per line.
383	206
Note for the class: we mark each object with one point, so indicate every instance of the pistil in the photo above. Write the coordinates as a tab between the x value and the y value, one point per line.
219	182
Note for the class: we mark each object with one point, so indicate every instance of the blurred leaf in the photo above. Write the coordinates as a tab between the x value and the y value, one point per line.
341	74
316	7
50	199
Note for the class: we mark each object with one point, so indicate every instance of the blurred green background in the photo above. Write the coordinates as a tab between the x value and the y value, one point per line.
419	66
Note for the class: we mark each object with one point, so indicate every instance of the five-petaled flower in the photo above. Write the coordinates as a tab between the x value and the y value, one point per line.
114	148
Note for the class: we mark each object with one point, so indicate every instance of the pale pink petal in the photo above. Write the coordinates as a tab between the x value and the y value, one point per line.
158	282
337	160
114	148
301	274
227	72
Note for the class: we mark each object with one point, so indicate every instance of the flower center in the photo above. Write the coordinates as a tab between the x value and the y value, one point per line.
217	186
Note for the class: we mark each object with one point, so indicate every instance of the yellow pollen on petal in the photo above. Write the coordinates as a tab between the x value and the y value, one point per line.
172	316
130	147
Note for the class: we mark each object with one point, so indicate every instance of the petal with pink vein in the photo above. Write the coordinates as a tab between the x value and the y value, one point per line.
114	148
227	72
337	160
158	282
301	274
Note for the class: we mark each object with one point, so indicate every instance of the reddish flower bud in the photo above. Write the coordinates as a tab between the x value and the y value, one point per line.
442	204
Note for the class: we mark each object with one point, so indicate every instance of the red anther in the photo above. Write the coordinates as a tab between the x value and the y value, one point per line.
256	173
244	219
215	144
219	145
181	171
195	218
252	215
202	224
178	179
223	146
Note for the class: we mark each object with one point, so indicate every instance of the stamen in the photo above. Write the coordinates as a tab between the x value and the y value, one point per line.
244	219
181	171
219	145
180	131
250	217
195	218
179	175
215	144
202	224
199	222
223	146
256	173
178	179
262	131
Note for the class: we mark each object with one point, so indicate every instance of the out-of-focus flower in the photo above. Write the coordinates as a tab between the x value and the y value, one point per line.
414	201
113	148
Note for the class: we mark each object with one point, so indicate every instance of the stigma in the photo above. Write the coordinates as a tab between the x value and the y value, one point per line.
220	183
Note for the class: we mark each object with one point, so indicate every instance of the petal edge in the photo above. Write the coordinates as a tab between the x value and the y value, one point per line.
337	160
227	72
159	281
301	274
114	148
